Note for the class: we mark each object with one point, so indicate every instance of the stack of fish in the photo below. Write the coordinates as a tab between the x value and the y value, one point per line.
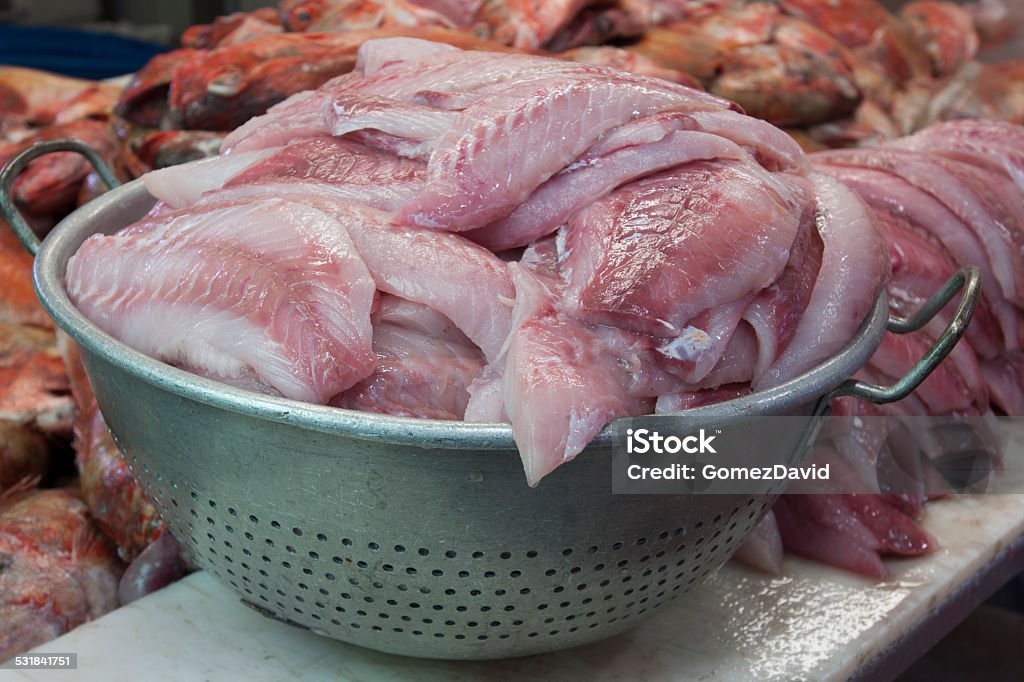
676	251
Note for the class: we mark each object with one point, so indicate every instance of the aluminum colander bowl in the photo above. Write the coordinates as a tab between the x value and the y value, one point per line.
410	536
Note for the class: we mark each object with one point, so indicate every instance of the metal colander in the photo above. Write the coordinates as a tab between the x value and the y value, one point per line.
417	537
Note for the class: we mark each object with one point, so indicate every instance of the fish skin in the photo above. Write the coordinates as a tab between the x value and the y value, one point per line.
33	385
56	570
18	302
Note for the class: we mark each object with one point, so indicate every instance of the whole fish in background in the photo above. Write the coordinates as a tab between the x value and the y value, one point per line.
121	508
24	452
33	386
56	570
40	98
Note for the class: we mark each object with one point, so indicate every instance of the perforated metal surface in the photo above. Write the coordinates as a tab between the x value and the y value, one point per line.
436	596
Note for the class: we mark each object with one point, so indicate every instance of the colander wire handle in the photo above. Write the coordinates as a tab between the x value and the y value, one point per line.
17	163
967	279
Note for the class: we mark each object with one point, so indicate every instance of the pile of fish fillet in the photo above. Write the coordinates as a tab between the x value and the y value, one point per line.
498	237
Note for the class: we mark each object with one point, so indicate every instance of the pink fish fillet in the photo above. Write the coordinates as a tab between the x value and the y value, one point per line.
654	254
351	111
505	146
267	287
1001	241
773	148
990	144
883	191
849	531
296	118
373	55
738	362
955	386
561	386
854	268
677	402
347	169
920	266
1005	378
589	179
182	185
424	368
775	313
461	280
454	81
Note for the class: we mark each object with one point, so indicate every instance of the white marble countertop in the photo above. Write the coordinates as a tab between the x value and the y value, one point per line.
815	623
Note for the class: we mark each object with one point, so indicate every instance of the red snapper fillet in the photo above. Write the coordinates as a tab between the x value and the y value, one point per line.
1002	241
654	254
592	176
461	280
561	386
425	365
854	267
502	148
269	292
885	192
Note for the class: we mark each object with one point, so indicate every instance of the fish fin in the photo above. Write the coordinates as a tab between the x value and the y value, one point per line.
88	541
17	490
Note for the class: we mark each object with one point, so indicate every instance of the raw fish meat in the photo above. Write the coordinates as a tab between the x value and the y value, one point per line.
269	290
425	365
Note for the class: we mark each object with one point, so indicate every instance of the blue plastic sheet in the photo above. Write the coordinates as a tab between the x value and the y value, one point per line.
74	52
